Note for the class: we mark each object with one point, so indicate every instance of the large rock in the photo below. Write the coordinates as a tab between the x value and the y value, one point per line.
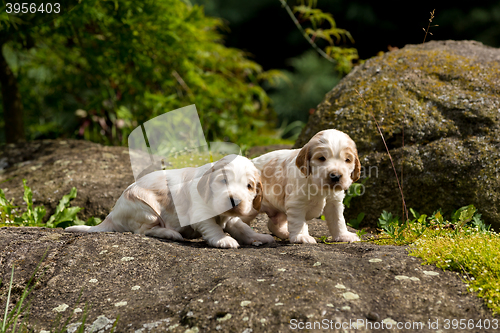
151	285
52	167
445	95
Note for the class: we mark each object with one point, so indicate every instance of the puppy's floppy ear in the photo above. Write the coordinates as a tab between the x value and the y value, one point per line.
357	167
203	186
257	201
303	160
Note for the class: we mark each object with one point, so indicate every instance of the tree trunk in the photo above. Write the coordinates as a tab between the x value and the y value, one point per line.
12	104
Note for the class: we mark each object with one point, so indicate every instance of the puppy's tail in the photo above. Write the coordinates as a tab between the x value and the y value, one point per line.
106	225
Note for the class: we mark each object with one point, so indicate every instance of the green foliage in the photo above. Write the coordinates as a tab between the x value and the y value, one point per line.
354	223
323	239
64	213
406	232
63	217
290	131
463	243
107	66
9	214
342	56
35	215
355	190
361	232
312	77
7	208
392	226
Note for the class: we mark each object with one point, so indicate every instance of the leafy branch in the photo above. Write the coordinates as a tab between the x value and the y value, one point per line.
342	57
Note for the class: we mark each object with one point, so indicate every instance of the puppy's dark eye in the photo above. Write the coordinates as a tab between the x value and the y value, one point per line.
322	159
348	160
249	186
223	181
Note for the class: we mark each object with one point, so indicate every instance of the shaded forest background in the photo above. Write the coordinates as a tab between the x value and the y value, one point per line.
105	67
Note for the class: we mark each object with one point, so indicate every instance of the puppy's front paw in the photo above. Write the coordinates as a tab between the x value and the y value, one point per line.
226	242
304	239
347	237
263	238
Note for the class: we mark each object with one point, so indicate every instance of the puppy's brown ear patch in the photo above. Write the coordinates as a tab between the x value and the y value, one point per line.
257	201
303	161
203	186
357	167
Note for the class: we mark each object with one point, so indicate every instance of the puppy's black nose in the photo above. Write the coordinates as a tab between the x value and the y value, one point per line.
234	202
335	178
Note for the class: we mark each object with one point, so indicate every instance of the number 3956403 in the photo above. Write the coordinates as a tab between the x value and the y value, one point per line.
470	324
32	8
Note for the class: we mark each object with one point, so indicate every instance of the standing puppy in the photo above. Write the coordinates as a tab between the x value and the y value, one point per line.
301	184
209	199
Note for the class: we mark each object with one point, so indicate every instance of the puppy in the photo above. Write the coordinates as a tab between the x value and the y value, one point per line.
209	200
301	184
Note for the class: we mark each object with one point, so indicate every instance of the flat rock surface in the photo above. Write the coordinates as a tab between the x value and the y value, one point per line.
153	285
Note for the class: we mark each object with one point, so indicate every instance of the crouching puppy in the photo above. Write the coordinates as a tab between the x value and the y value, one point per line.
209	200
301	184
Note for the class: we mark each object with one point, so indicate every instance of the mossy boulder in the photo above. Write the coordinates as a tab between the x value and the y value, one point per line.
438	107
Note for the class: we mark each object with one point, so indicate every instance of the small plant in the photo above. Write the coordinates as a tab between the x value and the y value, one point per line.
323	239
407	232
361	232
32	217
392	226
64	216
355	190
11	318
354	223
427	32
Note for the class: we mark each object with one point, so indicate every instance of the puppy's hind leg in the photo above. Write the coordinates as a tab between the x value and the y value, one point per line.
278	224
165	233
244	234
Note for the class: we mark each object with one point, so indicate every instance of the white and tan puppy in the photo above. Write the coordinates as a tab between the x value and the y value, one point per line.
301	184
212	198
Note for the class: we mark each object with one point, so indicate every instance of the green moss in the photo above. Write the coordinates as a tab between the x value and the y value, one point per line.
462	243
419	89
473	254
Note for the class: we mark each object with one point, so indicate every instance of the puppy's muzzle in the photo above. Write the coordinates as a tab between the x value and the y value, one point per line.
234	201
334	179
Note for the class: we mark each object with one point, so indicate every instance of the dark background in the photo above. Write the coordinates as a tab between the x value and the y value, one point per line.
263	28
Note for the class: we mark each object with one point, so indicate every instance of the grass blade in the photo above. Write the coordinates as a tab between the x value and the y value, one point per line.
8	300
